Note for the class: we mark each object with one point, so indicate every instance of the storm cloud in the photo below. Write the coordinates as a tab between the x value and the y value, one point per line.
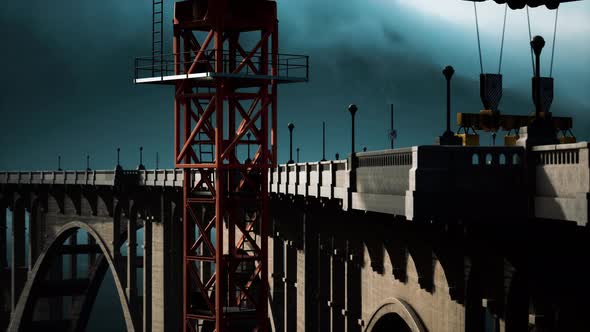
67	79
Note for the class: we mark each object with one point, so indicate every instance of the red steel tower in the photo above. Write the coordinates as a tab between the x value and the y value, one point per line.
225	69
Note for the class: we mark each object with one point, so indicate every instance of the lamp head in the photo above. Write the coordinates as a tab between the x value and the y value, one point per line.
448	72
537	44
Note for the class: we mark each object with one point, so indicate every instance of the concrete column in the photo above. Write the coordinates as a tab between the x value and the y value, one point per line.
18	253
301	291
517	308
3	249
337	302
35	217
4	275
117	220
324	286
474	311
92	256
166	270
353	287
311	273
56	303
147	276
131	289
278	291
290	290
74	257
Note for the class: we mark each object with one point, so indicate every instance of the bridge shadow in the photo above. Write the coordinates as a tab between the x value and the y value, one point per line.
341	265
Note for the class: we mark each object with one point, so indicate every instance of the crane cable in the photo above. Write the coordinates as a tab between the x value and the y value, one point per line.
553	46
528	17
478	41
502	44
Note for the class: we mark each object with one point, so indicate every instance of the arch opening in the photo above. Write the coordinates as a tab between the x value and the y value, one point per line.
87	288
395	315
66	283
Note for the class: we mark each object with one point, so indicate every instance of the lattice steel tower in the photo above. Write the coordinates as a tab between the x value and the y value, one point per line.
225	69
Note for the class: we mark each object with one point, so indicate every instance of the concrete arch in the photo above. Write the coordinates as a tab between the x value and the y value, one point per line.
25	304
400	308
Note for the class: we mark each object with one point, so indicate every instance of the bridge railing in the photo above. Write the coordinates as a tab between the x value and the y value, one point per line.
562	188
70	177
562	170
384	172
161	177
469	169
319	179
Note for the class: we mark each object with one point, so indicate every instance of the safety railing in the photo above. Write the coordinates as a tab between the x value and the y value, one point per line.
288	66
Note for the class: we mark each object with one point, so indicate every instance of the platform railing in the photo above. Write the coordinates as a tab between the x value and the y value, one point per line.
288	65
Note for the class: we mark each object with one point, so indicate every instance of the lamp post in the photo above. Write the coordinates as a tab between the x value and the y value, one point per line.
448	72
448	137
88	163
298	155
352	109
140	167
59	163
118	167
291	126
323	141
537	44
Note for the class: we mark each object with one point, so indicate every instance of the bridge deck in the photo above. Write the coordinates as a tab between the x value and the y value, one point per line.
421	182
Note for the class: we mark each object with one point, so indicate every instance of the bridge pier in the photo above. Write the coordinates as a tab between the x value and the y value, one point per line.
325	283
278	288
147	276
290	287
131	286
55	304
35	218
309	273
5	279
166	277
17	241
338	275
353	308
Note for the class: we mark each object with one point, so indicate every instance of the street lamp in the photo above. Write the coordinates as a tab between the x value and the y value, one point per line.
323	141
297	155
352	109
537	45
140	167
291	126
118	167
448	137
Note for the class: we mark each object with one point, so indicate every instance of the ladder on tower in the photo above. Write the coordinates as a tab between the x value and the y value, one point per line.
157	37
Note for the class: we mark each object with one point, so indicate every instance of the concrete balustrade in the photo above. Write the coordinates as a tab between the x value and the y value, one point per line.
562	179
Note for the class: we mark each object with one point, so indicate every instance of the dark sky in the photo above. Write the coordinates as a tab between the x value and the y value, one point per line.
67	68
